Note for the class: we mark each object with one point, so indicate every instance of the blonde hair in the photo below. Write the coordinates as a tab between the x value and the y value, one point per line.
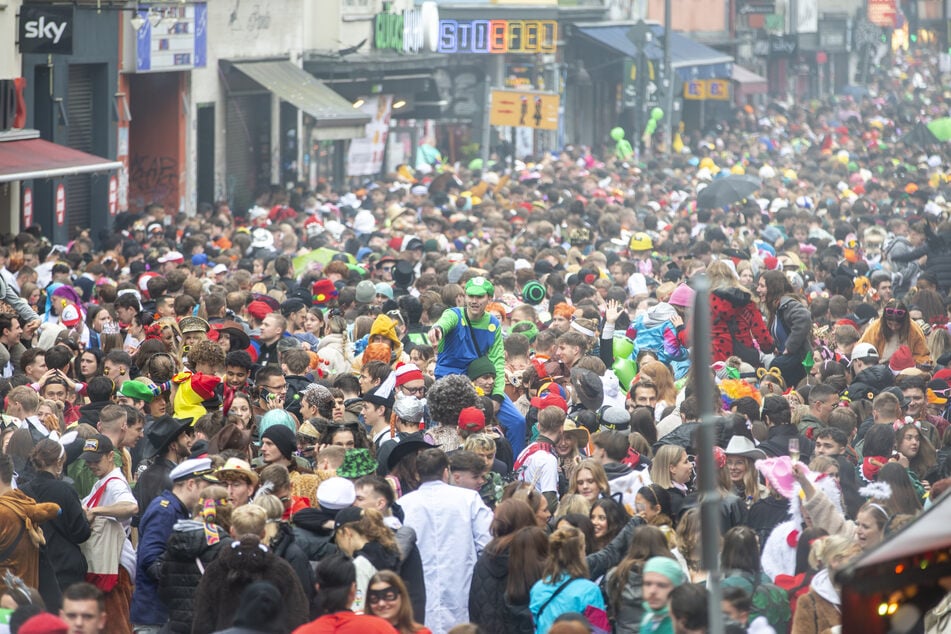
666	457
597	471
828	548
249	519
721	275
571	503
274	509
480	442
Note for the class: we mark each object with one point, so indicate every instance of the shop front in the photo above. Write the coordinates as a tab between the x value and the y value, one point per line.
268	102
701	79
70	100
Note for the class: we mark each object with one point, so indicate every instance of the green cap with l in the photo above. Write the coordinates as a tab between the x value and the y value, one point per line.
479	286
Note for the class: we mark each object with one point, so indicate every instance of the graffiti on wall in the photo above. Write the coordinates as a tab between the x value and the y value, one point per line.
153	179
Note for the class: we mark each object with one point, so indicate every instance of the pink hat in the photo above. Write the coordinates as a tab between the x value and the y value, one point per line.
779	473
682	296
406	372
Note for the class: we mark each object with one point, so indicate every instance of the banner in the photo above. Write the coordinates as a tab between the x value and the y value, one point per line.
524	109
882	13
365	156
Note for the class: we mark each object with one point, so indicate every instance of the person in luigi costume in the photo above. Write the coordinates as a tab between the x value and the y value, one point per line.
462	335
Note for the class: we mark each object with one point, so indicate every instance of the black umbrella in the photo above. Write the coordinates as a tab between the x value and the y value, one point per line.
727	190
920	136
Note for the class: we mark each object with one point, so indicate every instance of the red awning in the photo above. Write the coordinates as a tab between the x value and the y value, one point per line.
748	83
35	158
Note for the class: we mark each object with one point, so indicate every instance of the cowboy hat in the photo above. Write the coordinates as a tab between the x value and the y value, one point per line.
743	446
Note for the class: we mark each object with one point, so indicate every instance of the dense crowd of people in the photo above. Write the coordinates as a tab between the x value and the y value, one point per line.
464	401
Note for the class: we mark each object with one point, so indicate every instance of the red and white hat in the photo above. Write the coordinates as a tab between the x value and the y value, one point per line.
406	372
144	282
71	316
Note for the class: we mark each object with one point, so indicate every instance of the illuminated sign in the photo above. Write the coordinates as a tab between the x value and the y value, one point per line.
498	36
411	31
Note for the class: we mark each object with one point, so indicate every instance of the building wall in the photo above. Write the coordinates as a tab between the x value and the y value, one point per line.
693	16
265	29
9	68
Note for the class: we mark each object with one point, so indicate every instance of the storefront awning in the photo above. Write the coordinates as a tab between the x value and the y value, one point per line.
336	117
748	82
691	59
28	159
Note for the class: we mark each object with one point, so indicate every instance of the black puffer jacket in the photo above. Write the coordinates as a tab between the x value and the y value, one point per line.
878	377
285	546
488	607
311	534
180	575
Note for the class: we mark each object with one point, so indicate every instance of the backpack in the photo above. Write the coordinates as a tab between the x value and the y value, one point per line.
769	600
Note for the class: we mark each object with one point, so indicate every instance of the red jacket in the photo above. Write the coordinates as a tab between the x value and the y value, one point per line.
727	304
347	623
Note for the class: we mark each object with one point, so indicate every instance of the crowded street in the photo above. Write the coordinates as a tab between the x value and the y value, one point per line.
509	318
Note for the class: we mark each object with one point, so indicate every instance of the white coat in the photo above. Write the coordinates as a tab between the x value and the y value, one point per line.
452	529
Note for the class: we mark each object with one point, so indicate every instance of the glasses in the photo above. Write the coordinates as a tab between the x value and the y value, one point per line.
897	313
386	269
414	390
387	594
276	388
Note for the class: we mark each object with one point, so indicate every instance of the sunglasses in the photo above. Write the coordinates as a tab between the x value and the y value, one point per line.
414	390
897	313
387	594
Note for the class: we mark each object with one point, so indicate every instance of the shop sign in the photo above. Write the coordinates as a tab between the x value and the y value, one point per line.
832	36
409	31
883	13
523	109
757	8
718	89
60	204
27	207
46	29
178	42
783	45
113	195
498	36
695	90
707	89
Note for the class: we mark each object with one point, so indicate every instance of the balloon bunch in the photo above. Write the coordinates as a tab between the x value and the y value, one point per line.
656	115
624	366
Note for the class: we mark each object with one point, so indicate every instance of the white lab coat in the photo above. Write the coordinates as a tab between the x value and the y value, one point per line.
452	529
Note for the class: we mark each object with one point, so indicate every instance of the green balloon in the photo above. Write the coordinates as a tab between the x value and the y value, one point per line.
657	114
623	347
651	127
625	370
475	164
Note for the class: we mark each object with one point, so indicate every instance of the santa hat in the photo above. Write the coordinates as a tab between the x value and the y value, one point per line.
406	372
901	360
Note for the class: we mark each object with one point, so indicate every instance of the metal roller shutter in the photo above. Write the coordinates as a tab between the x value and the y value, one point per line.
247	148
79	111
